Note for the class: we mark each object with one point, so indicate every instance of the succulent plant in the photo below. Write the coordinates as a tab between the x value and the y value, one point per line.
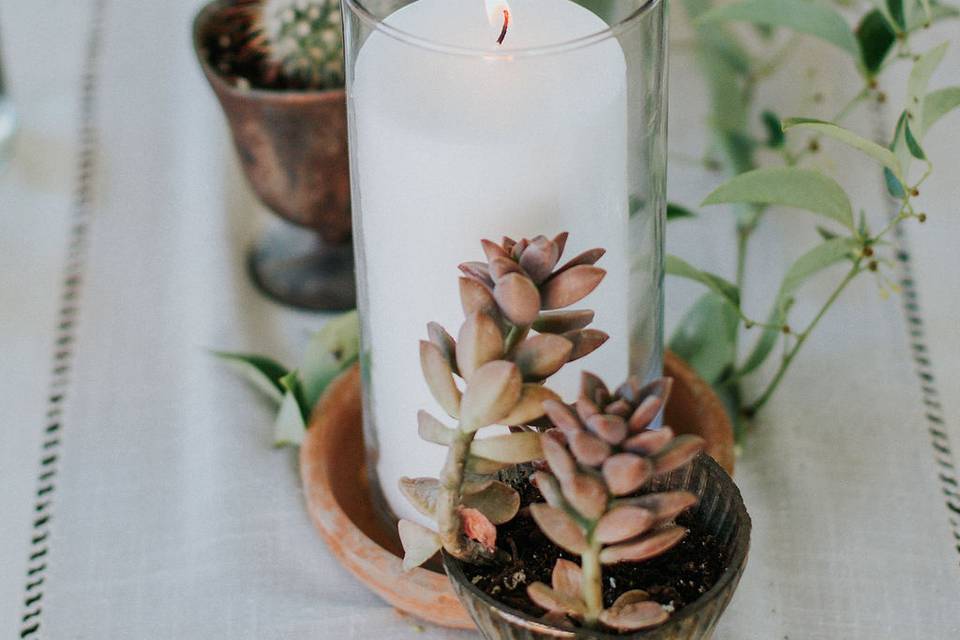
301	40
603	449
516	335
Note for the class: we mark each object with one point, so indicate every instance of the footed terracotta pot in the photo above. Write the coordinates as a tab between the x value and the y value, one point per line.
339	499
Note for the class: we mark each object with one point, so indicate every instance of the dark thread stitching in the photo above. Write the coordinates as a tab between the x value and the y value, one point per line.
65	332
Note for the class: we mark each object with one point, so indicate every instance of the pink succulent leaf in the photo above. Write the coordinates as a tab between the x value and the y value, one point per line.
586	494
549	599
439	377
493	391
624	473
585	342
620	408
549	488
588	257
566	578
539	259
478	528
419	544
422	493
678	453
666	505
622	523
484	467
562	321
514	448
432	430
645	547
499	502
476	297
444	341
586	408
561	242
613	429
562	417
542	355
561	462
588	449
479	342
559	527
492	250
645	413
648	443
593	389
570	286
479	271
530	406
518	299
634	616
499	267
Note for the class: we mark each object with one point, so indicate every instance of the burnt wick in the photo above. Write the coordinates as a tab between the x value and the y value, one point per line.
506	24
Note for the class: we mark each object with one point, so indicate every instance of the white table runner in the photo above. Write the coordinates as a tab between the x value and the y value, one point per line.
161	510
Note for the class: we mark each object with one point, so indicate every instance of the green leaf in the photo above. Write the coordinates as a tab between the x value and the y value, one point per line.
292	384
289	426
677	212
937	13
919	80
706	337
331	350
262	372
938	104
895	9
876	40
915	149
894	186
678	267
805	17
872	149
805	267
775	136
787	186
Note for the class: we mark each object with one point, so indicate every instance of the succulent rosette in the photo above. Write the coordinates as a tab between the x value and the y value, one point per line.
517	334
604	449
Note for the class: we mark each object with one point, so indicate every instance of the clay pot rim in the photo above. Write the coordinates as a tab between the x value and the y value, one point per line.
740	544
294	96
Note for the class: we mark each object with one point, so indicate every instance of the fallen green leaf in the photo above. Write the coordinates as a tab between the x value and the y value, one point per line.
262	372
331	350
289	426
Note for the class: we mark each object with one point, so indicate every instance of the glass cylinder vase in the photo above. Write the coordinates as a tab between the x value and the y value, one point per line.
474	119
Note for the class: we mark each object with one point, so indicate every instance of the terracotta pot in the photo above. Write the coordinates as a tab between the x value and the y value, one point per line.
720	512
339	497
293	149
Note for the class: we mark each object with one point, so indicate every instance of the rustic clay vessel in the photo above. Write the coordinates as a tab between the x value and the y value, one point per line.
293	148
339	497
720	512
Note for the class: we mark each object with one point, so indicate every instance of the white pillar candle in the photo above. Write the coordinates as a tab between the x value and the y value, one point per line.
451	148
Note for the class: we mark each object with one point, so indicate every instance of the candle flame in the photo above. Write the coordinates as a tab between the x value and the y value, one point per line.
498	12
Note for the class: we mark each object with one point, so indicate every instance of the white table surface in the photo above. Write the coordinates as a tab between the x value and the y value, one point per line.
169	514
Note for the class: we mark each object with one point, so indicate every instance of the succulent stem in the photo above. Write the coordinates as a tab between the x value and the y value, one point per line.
451	485
515	336
592	581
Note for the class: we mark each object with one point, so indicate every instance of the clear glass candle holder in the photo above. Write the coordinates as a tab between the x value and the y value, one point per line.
455	137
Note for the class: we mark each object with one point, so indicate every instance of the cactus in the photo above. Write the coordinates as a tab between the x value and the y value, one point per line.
516	335
299	40
601	451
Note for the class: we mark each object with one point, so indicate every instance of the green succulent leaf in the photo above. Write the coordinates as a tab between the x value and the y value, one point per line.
787	186
882	155
805	267
331	350
262	372
706	337
814	19
876	39
678	267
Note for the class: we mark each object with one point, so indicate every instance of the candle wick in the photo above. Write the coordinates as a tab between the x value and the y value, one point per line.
506	24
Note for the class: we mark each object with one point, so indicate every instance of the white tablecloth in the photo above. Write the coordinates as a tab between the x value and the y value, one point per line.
141	497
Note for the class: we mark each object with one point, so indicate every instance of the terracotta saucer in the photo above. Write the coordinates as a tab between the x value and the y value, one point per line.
337	492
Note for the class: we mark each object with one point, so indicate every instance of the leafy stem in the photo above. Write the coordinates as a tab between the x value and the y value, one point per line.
592	581
801	339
